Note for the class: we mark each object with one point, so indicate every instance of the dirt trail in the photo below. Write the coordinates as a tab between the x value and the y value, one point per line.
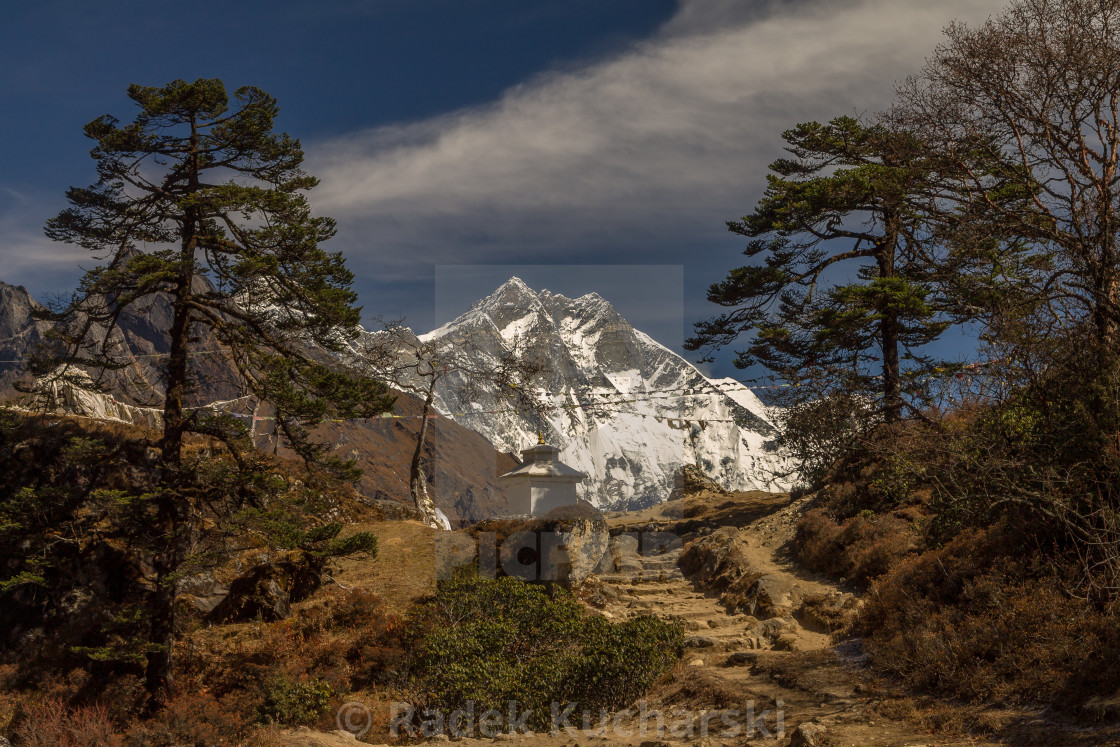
785	683
809	679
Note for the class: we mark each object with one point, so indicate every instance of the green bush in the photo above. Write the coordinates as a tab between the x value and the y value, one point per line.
620	663
294	703
492	642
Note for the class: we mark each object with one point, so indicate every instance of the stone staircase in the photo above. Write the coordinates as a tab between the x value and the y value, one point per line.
631	583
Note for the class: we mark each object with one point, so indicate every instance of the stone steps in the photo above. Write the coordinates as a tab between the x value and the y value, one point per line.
620	579
682	592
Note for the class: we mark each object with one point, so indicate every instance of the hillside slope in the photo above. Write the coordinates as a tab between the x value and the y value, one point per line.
463	466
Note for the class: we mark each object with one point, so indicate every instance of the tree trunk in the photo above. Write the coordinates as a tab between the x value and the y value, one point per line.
889	331
173	518
418	484
892	381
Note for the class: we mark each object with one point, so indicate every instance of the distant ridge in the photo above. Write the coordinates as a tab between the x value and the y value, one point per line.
464	466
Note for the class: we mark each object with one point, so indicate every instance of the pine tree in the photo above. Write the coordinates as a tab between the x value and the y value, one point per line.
841	302
202	204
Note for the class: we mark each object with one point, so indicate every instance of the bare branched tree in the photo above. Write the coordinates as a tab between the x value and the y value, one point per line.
420	367
1036	87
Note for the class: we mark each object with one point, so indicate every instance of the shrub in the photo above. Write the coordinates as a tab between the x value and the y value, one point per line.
968	621
620	663
858	549
294	703
194	720
490	642
52	723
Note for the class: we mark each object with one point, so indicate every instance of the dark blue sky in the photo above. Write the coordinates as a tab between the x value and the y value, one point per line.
473	132
335	67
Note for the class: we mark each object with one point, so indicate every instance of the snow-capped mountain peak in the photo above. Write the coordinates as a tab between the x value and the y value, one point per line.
623	408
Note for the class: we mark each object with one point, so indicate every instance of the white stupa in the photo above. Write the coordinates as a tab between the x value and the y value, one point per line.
542	482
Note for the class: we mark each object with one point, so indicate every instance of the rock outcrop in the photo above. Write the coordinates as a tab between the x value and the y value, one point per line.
719	561
565	546
582	540
19	333
268	590
69	391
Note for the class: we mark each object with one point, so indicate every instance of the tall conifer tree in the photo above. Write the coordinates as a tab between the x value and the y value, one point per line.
200	203
840	301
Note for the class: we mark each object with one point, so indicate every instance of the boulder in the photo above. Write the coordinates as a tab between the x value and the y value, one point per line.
808	735
267	590
699	641
583	539
622	556
718	560
767	633
828	613
772	595
691	480
742	658
565	546
198	595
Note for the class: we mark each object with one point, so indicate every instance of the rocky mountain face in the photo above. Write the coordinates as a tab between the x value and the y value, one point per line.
623	408
19	333
139	334
462	466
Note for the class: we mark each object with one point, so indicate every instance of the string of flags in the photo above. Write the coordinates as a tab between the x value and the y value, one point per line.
136	356
594	398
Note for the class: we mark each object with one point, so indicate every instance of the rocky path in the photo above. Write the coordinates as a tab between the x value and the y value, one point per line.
656	584
780	659
758	649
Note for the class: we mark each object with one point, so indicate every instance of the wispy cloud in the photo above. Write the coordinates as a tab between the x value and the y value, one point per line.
644	154
27	256
636	158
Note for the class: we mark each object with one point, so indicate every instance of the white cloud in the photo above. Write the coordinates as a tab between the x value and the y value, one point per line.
27	256
638	158
640	154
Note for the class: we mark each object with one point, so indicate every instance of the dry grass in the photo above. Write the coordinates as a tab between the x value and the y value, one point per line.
970	622
405	567
861	547
700	688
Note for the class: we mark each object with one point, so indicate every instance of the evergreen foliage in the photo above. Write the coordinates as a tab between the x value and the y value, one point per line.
490	642
77	532
201	205
841	301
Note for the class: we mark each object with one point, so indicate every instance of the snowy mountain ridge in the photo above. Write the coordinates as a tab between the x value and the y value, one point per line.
622	407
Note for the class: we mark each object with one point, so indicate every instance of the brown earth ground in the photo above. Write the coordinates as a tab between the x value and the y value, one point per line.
823	688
